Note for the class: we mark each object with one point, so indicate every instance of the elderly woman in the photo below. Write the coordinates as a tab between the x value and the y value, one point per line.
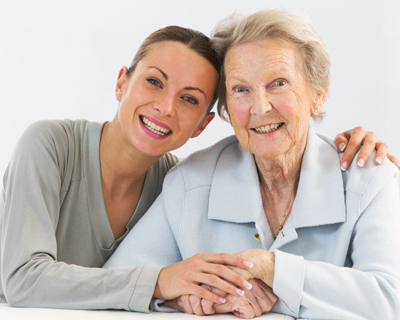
325	240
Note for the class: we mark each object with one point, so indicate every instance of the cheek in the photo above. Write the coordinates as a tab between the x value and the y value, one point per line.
238	113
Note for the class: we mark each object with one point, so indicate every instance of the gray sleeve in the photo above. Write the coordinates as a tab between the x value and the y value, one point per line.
153	239
29	211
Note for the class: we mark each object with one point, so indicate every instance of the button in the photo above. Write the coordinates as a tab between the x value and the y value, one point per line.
257	237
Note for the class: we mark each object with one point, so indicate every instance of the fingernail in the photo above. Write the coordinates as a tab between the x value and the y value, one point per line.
342	146
360	162
222	300
344	166
378	160
247	285
248	264
239	292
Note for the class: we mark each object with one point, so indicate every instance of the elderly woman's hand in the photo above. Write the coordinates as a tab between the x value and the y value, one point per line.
263	265
260	299
352	140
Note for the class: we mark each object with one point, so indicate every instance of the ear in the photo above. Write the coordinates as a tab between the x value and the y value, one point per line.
120	83
319	102
205	123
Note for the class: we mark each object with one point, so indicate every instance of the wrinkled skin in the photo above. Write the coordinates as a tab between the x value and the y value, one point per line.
260	299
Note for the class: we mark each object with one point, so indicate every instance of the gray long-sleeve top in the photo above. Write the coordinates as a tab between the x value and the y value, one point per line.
54	230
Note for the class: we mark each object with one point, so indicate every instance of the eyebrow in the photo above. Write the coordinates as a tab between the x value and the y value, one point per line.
166	78
194	88
162	72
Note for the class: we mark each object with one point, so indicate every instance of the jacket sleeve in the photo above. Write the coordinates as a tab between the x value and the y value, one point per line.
31	276
370	288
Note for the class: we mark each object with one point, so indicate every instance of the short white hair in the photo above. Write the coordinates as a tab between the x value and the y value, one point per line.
296	29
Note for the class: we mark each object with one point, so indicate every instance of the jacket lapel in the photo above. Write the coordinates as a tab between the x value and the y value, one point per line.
235	193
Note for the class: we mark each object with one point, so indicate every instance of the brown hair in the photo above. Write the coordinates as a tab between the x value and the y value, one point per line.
193	39
294	28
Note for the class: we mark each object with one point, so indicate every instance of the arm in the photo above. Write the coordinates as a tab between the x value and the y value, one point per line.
29	210
152	242
358	138
369	289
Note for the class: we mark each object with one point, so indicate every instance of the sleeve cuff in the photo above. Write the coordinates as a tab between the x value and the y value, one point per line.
156	305
144	288
289	280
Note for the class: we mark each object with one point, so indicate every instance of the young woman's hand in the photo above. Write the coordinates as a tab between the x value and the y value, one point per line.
186	277
352	140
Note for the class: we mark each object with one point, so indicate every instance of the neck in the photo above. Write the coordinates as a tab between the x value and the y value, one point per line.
123	168
280	175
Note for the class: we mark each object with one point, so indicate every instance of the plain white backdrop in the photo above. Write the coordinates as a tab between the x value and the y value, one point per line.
60	59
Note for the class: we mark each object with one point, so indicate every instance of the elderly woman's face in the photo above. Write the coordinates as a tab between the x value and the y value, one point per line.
268	99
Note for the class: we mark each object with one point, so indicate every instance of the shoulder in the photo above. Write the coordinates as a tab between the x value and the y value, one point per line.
198	169
368	181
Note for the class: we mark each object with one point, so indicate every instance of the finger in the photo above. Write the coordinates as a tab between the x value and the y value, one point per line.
208	306
352	147
202	292
393	159
210	273
184	304
342	139
226	259
209	278
381	152
369	142
195	303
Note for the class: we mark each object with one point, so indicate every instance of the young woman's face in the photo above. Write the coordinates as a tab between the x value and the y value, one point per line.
164	102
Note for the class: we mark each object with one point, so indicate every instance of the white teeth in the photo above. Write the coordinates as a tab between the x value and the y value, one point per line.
269	128
154	128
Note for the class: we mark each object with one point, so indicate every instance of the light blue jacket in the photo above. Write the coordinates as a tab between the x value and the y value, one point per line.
337	256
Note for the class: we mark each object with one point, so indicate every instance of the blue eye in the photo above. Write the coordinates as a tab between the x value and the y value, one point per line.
154	82
240	89
279	83
190	100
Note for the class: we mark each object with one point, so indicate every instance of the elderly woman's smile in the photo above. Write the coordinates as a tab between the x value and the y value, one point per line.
268	98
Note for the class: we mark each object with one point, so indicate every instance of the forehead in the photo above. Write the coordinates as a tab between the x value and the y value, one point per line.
175	55
262	56
180	63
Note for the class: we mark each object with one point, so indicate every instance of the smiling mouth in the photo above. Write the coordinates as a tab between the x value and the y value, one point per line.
268	128
154	127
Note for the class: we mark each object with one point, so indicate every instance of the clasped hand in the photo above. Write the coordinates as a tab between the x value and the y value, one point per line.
252	303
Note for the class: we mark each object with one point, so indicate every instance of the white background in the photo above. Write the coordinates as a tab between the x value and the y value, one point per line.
60	59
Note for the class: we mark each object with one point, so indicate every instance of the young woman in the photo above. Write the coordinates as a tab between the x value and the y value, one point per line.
74	189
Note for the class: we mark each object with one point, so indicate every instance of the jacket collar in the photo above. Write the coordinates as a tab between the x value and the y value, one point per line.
235	193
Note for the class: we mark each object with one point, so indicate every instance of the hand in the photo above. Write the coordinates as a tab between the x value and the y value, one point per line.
263	265
185	277
350	142
253	303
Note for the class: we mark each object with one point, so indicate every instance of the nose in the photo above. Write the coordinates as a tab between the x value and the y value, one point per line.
261	103
166	105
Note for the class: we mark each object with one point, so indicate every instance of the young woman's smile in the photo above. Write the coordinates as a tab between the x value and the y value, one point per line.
164	101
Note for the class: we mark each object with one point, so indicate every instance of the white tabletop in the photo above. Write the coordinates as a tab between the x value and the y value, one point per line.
9	313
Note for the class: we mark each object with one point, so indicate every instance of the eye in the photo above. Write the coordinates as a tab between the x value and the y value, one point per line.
191	100
279	83
240	89
154	82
